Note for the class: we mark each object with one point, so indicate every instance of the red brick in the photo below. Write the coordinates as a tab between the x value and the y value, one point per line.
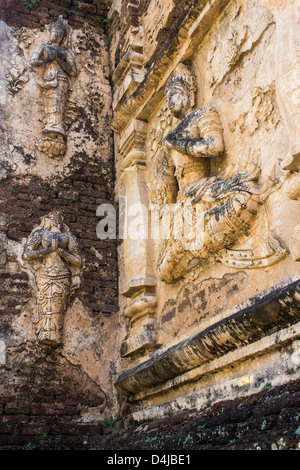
88	8
6	429
54	409
34	429
17	409
74	429
13	419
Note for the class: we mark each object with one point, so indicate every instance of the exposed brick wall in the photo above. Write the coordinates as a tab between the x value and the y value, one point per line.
37	13
166	35
43	395
77	197
14	292
47	395
46	416
130	18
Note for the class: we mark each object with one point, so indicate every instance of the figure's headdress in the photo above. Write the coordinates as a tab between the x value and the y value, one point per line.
55	217
61	26
182	76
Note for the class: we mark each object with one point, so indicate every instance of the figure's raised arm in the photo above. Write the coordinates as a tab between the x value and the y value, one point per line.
36	58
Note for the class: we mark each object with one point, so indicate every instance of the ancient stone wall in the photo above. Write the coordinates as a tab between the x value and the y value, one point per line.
38	13
59	322
205	123
182	118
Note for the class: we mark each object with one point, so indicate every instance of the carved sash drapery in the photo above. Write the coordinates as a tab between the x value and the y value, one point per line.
53	255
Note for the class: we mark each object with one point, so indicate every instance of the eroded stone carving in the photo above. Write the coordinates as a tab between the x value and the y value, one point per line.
241	35
55	64
26	37
54	257
293	192
3	248
15	82
263	112
96	100
287	72
230	201
3	241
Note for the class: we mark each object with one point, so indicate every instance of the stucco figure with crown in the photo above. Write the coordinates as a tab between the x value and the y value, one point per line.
53	255
55	64
230	202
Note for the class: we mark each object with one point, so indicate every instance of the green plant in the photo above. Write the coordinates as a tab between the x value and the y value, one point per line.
188	440
67	10
99	172
151	439
42	441
12	190
30	446
117	55
109	39
103	23
99	21
266	386
31	4
199	428
111	421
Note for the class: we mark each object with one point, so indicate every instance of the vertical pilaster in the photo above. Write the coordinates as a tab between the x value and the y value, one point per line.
140	281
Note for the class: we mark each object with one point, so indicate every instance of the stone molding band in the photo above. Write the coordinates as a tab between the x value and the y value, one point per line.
265	314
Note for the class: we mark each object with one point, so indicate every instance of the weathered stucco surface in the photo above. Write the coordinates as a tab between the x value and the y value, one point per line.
220	56
59	322
147	106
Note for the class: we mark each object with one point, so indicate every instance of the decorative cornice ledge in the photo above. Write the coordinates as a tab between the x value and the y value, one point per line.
258	317
181	46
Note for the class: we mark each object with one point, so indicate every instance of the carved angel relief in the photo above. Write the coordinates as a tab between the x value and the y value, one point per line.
55	65
287	72
157	134
219	209
53	256
287	79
